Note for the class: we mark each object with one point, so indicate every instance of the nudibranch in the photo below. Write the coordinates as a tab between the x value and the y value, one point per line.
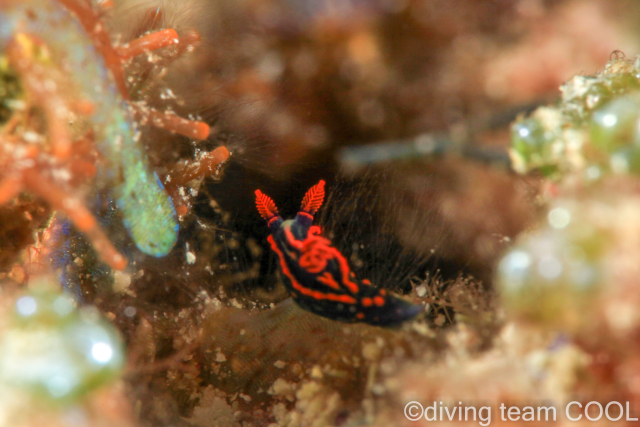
318	276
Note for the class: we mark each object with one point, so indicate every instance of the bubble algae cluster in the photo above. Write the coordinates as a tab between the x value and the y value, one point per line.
587	146
590	130
56	352
552	275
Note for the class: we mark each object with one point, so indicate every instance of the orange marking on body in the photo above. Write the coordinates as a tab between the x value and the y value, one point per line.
315	258
383	292
315	253
291	239
379	301
341	298
313	199
328	280
306	215
266	207
315	230
314	250
303	290
344	267
360	316
366	281
367	302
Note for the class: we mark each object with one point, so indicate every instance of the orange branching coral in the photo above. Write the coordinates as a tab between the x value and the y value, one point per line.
147	43
48	144
208	164
27	167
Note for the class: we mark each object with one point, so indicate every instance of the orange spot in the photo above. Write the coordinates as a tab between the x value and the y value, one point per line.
343	298
82	217
366	281
83	107
182	210
32	152
379	301
360	316
383	292
367	302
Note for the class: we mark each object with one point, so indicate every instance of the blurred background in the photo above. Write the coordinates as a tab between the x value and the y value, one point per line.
405	108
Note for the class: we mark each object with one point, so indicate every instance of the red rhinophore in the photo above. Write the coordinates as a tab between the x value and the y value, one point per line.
313	199
266	207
